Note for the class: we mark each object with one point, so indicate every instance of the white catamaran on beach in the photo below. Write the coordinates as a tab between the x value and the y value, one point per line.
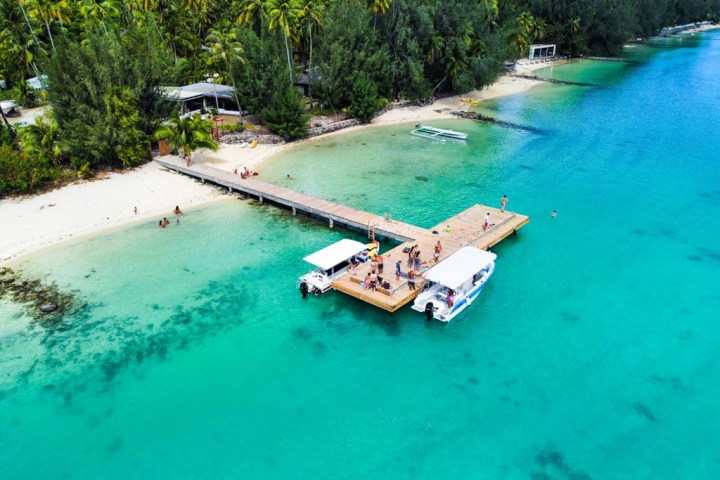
453	284
331	262
433	133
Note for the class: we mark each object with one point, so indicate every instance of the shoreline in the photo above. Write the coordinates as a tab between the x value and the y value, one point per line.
32	224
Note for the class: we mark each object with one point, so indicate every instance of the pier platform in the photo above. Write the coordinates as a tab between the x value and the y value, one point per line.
465	229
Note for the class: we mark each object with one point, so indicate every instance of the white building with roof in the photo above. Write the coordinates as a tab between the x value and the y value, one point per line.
204	96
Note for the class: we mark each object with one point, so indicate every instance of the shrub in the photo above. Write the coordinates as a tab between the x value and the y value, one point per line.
286	114
22	173
364	102
231	128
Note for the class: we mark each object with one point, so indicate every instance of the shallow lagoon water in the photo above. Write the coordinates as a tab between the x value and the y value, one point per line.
593	352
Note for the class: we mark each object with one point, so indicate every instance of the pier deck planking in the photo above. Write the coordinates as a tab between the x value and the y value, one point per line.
466	229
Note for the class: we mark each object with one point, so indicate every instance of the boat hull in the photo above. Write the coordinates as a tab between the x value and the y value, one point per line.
440	310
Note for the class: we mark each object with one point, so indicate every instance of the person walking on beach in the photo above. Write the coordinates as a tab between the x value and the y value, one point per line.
503	202
487	221
187	161
438	251
135	209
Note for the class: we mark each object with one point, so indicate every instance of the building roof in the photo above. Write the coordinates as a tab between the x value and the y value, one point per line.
459	267
336	253
199	90
37	82
308	76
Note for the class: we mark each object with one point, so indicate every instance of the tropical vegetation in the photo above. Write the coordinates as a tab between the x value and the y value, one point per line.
102	62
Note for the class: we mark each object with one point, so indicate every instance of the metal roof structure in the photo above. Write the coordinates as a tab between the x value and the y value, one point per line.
460	267
199	90
336	253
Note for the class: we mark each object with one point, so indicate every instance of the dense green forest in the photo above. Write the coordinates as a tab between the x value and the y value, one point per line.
104	61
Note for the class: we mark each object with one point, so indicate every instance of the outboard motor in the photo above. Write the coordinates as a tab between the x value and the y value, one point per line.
429	310
304	289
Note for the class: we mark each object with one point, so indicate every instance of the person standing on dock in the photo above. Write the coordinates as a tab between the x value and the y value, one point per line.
379	260
503	202
438	251
487	221
411	280
398	271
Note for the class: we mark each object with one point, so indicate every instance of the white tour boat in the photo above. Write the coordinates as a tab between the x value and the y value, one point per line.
433	133
331	262
453	284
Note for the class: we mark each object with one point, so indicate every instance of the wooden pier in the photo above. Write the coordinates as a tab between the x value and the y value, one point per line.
465	229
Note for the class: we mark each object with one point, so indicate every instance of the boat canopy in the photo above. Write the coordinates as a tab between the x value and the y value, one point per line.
459	267
336	253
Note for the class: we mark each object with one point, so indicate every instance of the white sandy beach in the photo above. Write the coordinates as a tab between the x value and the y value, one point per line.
30	224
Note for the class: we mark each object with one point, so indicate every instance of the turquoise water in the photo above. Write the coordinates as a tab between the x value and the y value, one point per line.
593	353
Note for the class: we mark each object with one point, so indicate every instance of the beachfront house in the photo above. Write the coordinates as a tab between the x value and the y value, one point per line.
541	51
204	96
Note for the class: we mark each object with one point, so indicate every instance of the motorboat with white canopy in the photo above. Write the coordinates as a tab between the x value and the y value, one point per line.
453	284
331	262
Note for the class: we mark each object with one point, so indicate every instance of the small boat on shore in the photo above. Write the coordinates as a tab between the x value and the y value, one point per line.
331	262
470	101
453	284
433	133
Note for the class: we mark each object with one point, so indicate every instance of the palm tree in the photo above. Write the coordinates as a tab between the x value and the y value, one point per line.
539	28
45	10
573	25
250	10
284	14
189	134
59	11
41	138
94	10
378	6
17	49
27	20
224	51
313	19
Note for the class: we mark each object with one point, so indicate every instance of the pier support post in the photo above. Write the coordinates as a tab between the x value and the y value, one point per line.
294	210
229	189
260	199
331	223
202	180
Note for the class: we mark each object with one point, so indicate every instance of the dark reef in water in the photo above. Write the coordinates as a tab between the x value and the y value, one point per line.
644	411
99	349
46	303
550	458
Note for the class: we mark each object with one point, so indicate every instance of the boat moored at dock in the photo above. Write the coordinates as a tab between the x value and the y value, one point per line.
452	285
433	133
331	262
